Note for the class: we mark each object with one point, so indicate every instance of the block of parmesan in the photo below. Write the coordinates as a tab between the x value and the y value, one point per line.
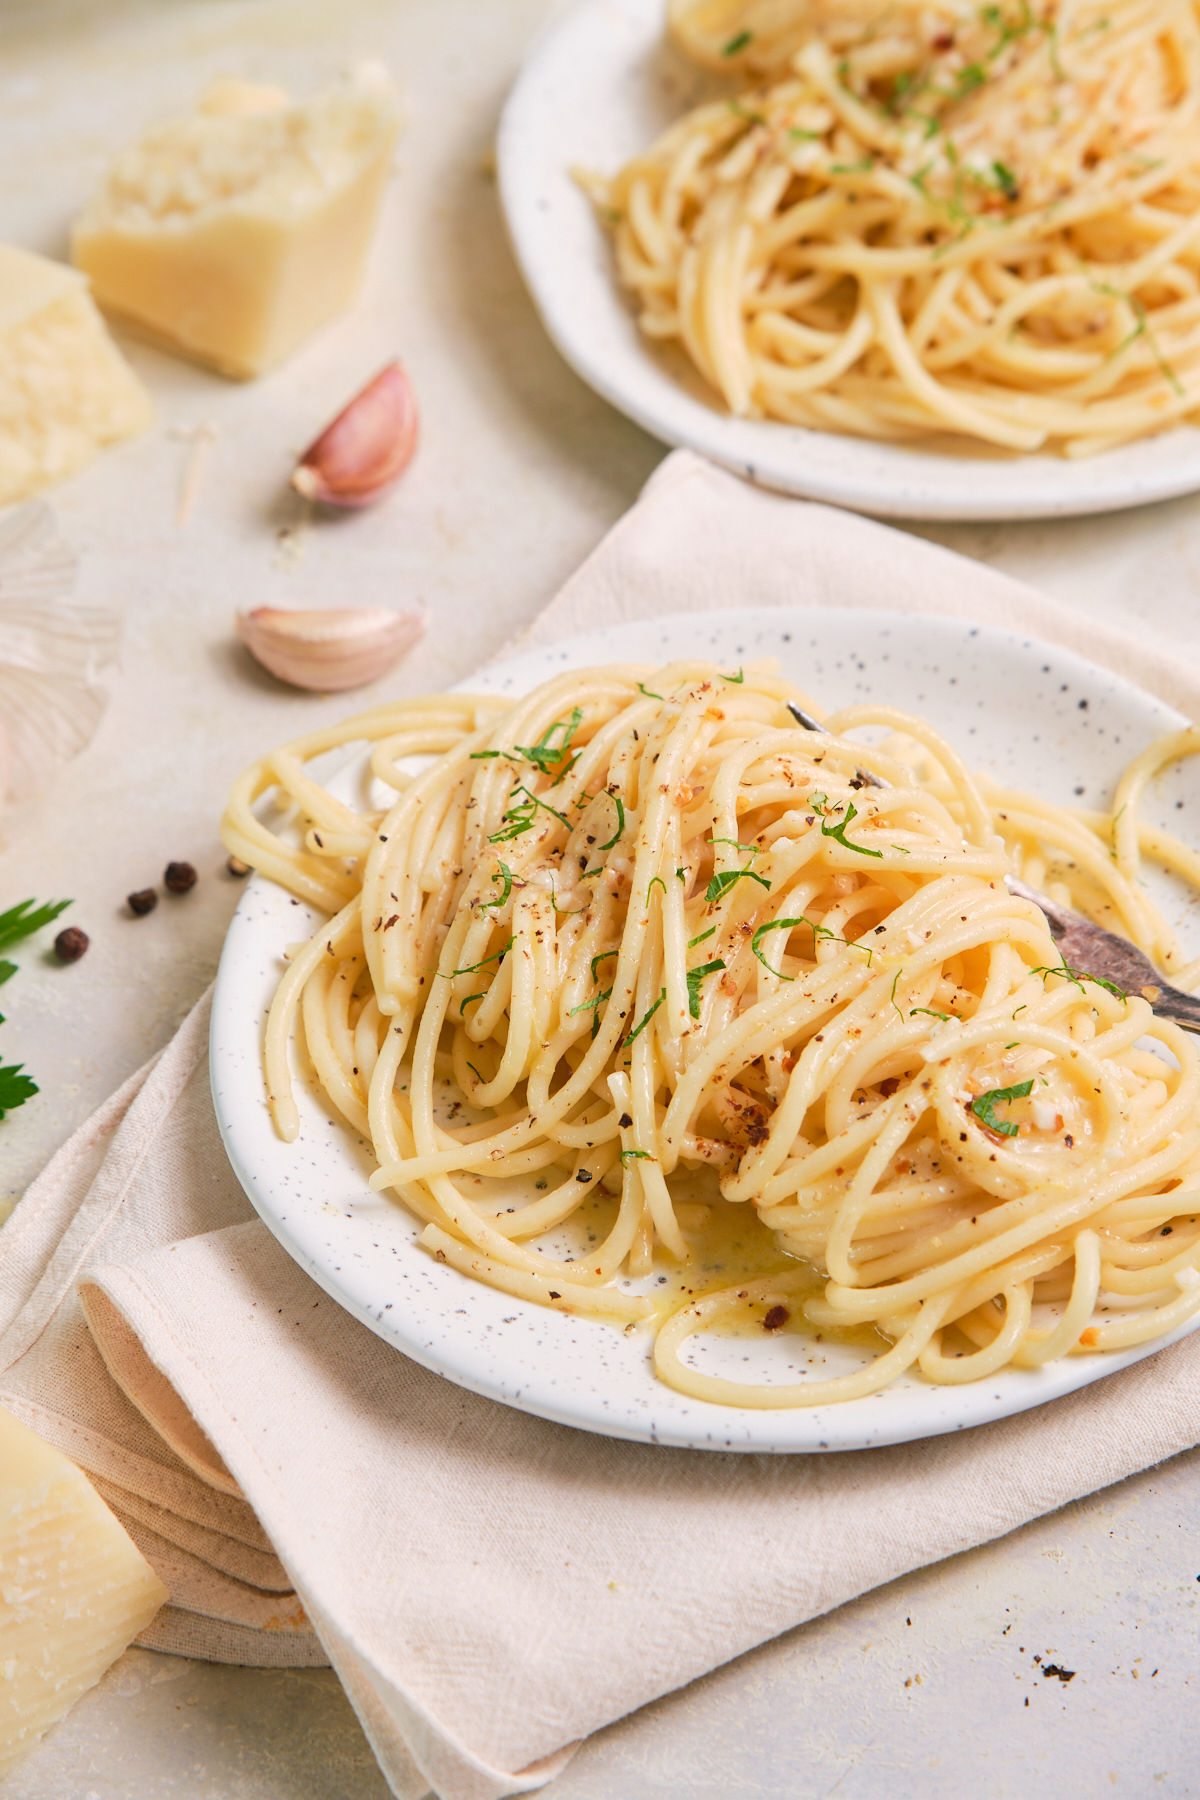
65	389
74	1591
234	233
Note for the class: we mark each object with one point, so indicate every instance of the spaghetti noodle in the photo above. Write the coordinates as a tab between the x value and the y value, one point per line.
645	926
975	220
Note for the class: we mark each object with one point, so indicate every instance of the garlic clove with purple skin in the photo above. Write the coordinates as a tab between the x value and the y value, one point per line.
329	648
367	446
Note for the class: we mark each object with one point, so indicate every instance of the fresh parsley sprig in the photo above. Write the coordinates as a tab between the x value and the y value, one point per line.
15	1087
18	923
22	920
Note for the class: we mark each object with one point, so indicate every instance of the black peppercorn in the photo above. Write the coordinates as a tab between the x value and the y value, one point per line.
70	944
144	901
179	877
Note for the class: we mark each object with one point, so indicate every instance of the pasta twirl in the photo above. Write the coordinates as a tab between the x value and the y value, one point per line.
650	932
981	220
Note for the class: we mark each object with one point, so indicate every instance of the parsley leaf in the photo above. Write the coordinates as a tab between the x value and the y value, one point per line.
616	800
15	1087
22	920
721	884
820	805
984	1107
602	956
736	43
592	1004
1078	977
760	934
695	977
547	756
523	815
504	874
646	1018
470	968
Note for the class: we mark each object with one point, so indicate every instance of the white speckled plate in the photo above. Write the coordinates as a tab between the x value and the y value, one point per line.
598	86
1021	710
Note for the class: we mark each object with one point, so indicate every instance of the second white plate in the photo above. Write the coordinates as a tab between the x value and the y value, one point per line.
598	86
1031	715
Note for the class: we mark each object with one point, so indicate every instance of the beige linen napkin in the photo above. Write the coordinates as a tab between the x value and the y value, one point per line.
491	1587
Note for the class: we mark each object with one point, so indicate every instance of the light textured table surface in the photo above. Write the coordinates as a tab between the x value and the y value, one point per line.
930	1688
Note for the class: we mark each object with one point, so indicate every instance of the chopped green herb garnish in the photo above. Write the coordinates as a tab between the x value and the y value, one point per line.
470	968
692	942
750	849
602	956
636	1156
695	977
838	831
857	168
463	1004
760	934
736	679
522	816
616	800
892	996
984	1107
505	875
7	971
1079	976
930	1011
591	1005
656	879
484	755
548	756
1005	180
649	692
646	1018
720	884
736	43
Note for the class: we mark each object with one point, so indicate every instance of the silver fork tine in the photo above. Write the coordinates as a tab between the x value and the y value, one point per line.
1086	949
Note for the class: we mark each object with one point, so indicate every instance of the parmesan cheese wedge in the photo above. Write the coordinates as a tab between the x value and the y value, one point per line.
232	234
65	389
74	1591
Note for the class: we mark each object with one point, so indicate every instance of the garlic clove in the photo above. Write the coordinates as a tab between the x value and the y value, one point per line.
367	446
329	648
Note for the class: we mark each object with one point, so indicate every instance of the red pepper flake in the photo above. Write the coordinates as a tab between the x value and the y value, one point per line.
775	1318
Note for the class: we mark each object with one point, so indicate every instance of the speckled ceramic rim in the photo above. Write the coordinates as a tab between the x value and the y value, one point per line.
598	85
1030	714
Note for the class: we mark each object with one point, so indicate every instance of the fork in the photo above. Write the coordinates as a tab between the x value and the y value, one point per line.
1086	949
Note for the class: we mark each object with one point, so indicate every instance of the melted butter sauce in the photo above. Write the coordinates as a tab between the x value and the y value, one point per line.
729	1244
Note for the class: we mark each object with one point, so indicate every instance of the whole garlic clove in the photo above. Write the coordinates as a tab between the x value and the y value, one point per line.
367	446
329	648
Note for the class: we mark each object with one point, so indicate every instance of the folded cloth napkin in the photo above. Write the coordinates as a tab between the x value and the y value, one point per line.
491	1587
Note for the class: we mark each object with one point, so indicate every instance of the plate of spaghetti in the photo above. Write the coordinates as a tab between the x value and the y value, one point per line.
612	1046
935	261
